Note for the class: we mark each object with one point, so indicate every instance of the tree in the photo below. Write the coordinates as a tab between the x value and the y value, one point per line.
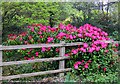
17	15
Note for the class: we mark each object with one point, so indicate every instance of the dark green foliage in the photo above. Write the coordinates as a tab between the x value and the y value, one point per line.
17	15
91	13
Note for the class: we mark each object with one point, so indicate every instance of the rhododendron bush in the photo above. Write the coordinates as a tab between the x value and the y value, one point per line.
94	56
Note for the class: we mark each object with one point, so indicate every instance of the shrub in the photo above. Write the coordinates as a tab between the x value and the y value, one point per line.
94	56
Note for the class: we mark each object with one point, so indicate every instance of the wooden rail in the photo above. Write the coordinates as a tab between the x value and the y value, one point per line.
62	63
0	67
39	46
61	59
35	74
110	41
33	61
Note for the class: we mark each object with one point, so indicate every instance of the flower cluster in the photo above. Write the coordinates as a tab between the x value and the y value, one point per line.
93	52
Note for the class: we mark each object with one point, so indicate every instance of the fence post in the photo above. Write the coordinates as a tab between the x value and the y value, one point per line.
62	63
1	66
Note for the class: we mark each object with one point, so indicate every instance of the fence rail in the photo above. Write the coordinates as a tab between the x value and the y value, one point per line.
39	45
35	74
61	59
33	61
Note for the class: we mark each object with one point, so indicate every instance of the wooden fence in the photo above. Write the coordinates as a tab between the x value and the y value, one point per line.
61	59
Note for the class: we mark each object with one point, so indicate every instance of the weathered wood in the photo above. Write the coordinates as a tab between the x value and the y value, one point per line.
39	45
28	46
35	74
110	41
0	67
33	61
71	44
45	45
62	63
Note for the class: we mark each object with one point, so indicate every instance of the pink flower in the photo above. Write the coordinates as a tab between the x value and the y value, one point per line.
25	58
87	26
71	37
86	65
43	28
94	46
53	29
66	55
106	51
74	51
104	69
25	42
74	36
82	60
105	34
23	48
12	36
67	28
93	37
32	29
41	36
20	39
91	49
31	49
67	36
82	49
28	26
40	32
76	66
88	34
96	33
48	48
61	26
30	37
23	34
28	58
80	35
85	45
89	61
32	58
116	44
37	53
104	45
43	49
78	62
49	39
57	50
28	53
96	42
107	38
61	34
98	29
48	30
79	30
97	48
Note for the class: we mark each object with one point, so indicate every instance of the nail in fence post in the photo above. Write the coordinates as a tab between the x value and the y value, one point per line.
62	63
